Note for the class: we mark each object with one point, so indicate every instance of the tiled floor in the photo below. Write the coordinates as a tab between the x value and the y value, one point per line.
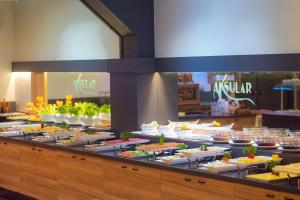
10	195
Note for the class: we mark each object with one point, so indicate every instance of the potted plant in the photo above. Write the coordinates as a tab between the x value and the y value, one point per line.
126	135
62	111
104	114
250	151
89	112
47	112
73	114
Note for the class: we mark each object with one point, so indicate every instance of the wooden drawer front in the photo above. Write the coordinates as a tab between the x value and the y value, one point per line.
250	193
38	172
180	179
288	196
128	181
9	166
145	183
222	189
144	172
79	177
39	162
177	185
115	180
38	187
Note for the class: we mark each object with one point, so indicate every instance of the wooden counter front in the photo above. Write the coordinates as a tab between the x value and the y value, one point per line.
50	174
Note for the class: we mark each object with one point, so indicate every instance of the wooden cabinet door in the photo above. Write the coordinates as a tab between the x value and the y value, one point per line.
38	172
79	177
243	192
9	166
145	183
177	186
124	181
181	186
288	196
116	179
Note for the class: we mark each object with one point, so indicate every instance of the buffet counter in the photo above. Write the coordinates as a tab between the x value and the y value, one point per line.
239	120
50	171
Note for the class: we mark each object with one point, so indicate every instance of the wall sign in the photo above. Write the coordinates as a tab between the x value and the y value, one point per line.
84	86
225	87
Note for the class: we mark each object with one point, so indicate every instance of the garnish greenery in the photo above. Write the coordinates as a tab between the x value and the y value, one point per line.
203	147
160	138
182	146
250	149
126	135
227	155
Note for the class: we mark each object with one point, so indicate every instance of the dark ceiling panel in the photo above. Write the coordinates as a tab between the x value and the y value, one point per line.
138	15
248	63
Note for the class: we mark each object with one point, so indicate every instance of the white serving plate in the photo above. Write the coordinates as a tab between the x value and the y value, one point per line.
215	168
196	152
240	144
106	146
235	161
289	150
167	161
10	124
266	147
10	133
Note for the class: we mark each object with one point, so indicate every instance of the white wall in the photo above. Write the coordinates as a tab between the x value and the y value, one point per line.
214	27
6	51
60	30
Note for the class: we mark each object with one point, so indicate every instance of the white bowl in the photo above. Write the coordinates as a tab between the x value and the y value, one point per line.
86	121
59	118
148	130
97	119
71	119
47	117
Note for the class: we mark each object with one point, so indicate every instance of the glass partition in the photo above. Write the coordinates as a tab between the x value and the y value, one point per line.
237	92
83	86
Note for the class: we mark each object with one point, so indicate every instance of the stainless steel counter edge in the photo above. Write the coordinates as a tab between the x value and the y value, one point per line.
283	188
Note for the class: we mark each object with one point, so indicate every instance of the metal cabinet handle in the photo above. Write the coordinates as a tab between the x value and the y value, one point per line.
135	169
201	182
188	179
270	195
82	158
124	166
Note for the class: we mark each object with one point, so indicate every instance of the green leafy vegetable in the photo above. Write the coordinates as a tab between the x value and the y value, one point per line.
203	147
160	138
182	146
126	135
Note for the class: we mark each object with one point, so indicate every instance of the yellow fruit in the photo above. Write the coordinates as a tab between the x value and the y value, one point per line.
184	127
275	156
218	124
